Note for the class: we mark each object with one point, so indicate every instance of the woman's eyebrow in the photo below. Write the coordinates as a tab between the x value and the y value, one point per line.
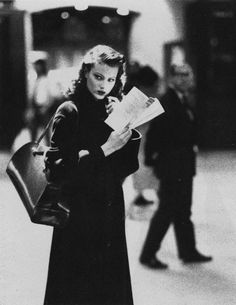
98	73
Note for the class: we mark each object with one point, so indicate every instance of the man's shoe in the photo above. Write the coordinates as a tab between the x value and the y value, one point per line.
197	258
153	263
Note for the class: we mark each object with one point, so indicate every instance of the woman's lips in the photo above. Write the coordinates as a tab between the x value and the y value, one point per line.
100	92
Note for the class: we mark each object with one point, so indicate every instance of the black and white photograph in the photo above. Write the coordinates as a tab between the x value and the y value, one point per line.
117	152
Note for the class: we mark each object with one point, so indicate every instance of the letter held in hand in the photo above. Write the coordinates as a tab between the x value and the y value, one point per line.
134	110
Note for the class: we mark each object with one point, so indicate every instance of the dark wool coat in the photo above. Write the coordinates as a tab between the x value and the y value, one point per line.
169	146
88	261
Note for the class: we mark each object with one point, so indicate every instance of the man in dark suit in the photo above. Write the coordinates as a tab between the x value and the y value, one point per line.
169	149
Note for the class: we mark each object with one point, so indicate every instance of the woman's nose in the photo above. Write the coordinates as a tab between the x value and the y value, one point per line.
102	85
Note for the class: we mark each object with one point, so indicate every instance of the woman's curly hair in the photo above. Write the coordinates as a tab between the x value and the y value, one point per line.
100	54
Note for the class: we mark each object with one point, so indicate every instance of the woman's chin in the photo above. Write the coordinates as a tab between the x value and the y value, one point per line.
99	97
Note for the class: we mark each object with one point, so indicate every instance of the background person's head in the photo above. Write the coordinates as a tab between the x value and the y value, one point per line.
40	67
103	72
147	77
181	77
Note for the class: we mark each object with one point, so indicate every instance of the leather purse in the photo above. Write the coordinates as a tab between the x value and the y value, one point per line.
42	199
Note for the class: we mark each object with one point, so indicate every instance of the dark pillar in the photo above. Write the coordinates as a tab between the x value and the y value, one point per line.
210	36
13	72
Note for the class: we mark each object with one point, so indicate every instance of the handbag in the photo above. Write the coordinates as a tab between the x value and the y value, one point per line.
42	198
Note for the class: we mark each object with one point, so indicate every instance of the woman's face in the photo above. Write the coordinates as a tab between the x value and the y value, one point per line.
101	80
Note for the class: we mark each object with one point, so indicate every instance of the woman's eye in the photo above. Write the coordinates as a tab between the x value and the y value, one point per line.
98	77
111	80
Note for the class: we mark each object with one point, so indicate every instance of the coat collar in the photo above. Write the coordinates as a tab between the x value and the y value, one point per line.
91	108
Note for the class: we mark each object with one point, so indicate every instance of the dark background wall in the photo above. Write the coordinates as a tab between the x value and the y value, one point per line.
71	32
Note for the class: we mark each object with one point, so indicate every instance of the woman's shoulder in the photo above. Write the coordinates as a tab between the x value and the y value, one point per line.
67	108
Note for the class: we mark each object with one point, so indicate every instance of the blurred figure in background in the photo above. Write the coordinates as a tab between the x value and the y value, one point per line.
132	72
45	97
170	152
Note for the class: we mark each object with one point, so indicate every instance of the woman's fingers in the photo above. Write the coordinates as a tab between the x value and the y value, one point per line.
109	108
112	99
125	134
112	102
116	140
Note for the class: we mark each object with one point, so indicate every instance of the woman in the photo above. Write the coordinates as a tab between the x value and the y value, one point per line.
88	262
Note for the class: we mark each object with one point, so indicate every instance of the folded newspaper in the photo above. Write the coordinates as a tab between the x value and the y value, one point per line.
134	110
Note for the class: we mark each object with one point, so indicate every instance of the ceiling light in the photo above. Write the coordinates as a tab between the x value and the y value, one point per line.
123	11
81	6
65	15
106	19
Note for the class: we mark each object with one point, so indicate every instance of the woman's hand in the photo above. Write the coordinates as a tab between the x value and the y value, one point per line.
116	141
112	102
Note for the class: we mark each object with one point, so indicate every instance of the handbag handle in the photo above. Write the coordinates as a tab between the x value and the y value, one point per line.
37	142
45	130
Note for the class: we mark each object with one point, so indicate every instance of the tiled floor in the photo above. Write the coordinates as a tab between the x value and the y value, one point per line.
24	247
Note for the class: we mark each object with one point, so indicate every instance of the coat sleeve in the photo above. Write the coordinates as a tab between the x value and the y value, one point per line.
63	158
